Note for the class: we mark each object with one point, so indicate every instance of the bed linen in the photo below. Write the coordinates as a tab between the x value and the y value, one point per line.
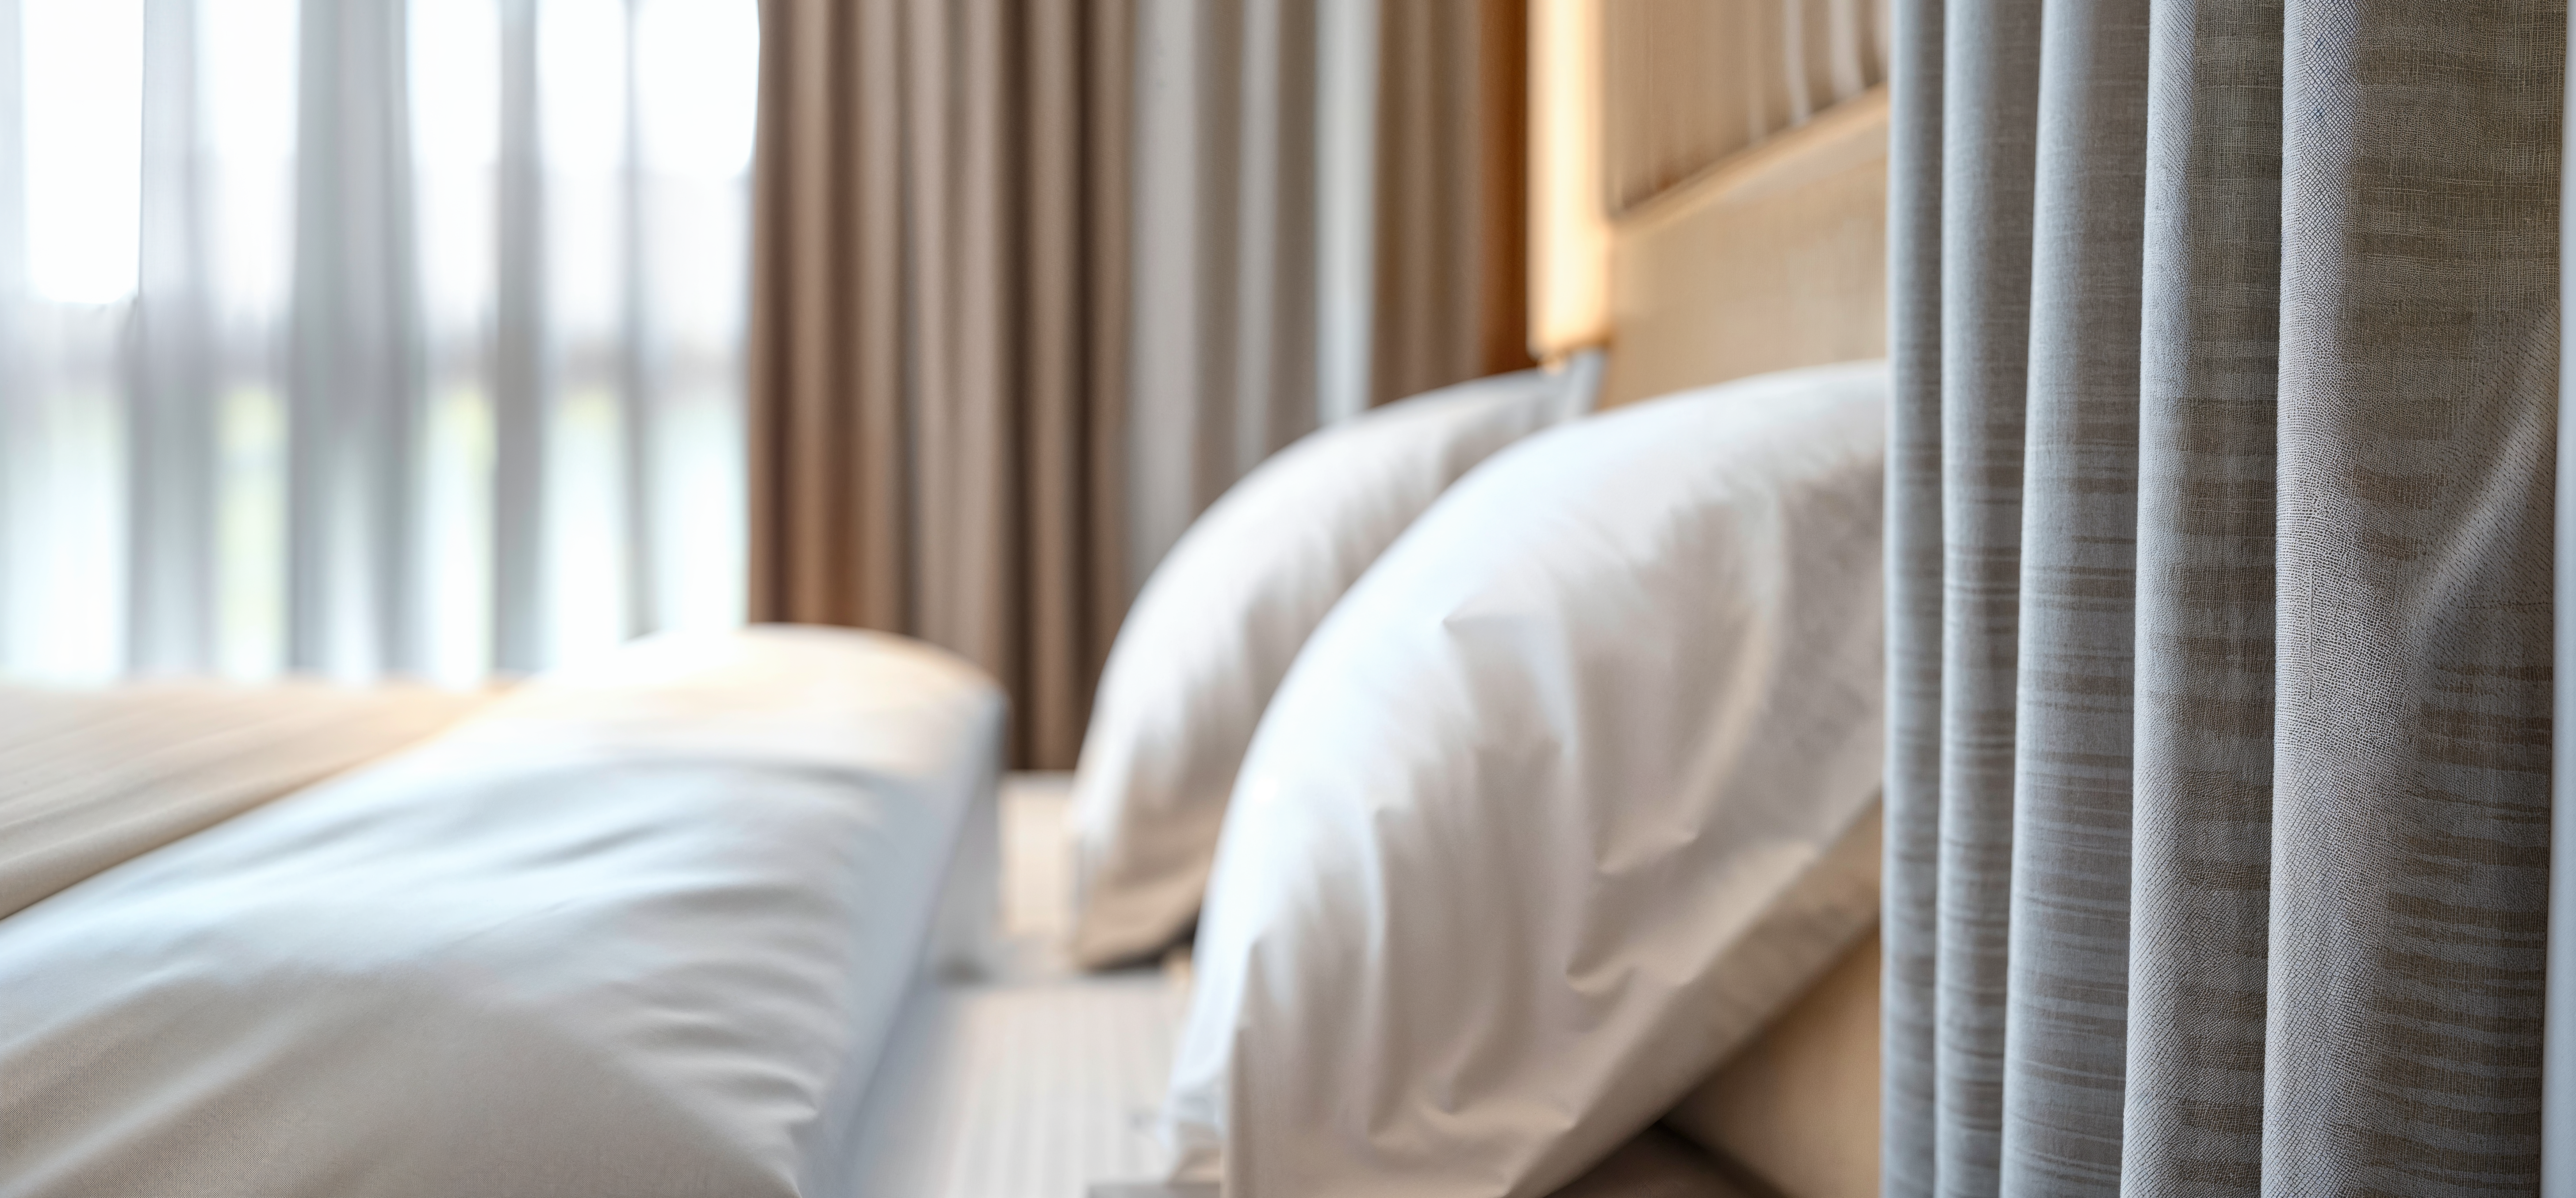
90	778
1570	794
1225	613
1046	1081
638	929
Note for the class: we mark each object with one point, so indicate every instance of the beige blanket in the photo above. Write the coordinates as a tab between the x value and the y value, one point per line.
92	778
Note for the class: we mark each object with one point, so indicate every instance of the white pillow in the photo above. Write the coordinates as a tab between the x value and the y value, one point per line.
1225	613
641	928
1565	798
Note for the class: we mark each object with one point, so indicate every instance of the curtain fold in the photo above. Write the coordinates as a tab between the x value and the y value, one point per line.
2226	352
1452	195
939	331
1034	284
355	370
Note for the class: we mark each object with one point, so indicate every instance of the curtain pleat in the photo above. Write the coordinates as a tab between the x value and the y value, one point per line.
1989	120
523	383
2411	754
938	331
171	367
2232	377
1035	283
1910	885
2066	1008
356	366
2202	773
1194	414
1453	127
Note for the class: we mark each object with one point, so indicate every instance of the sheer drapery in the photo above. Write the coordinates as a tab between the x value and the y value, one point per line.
2220	522
367	337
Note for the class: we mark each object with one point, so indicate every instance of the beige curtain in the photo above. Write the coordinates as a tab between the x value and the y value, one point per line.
1035	282
938	334
1453	212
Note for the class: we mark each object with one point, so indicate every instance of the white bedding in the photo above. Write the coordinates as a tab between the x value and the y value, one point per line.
1031	1079
1018	1089
1574	790
638	930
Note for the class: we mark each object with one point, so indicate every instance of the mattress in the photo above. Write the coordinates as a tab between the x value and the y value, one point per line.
1026	1078
222	1014
1031	1080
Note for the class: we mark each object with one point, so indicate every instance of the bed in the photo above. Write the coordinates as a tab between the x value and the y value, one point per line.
756	913
639	927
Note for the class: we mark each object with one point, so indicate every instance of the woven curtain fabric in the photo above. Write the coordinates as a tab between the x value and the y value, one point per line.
2226	355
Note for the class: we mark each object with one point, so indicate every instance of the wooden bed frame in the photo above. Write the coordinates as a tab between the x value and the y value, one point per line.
1771	258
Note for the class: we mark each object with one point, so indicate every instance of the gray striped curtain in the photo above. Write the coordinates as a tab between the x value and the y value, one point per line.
2226	363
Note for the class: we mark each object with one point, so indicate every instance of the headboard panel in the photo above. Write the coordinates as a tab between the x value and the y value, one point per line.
1773	253
1775	257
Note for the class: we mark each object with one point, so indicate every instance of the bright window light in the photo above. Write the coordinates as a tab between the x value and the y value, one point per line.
248	80
456	83
697	65
83	74
581	49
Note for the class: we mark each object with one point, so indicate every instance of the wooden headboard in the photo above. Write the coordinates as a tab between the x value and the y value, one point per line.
1776	257
1756	255
1764	256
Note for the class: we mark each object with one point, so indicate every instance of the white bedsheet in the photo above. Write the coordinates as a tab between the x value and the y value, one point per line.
639	930
1032	1080
1022	1089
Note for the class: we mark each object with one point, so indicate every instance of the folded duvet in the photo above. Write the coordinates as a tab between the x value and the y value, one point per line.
639	929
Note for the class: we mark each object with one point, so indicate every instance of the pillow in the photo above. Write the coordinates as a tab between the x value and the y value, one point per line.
1225	613
1568	795
640	928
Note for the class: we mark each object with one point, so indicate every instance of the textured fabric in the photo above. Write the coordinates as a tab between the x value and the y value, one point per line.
1988	108
2063	1037
2247	369
2410	830
1910	907
1572	792
1225	614
639	929
2202	766
91	778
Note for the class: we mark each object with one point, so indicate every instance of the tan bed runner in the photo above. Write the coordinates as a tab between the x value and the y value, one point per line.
91	778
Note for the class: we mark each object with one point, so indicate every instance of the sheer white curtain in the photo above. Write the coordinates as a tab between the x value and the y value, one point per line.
363	337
